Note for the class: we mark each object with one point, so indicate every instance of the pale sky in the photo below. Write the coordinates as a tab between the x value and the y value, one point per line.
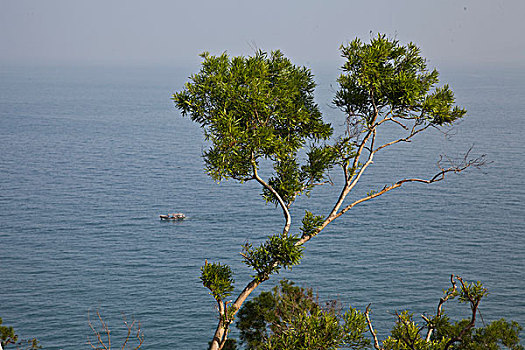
175	32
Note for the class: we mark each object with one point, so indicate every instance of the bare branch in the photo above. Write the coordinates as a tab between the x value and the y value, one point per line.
127	335
413	133
391	119
362	146
367	163
376	341
442	301
456	168
102	344
349	185
283	205
140	336
221	333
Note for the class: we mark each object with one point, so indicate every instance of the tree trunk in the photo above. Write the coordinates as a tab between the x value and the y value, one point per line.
218	336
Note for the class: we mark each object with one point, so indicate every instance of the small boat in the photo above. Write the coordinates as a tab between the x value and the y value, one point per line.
174	216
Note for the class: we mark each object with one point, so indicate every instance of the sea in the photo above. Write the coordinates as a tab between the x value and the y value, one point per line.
90	156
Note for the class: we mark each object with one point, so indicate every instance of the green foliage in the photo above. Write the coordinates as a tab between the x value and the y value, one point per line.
496	335
472	292
287	182
266	312
459	335
218	279
344	149
407	335
291	180
311	223
386	77
8	336
255	317
320	160
354	328
317	330
251	107
500	334
276	252
290	317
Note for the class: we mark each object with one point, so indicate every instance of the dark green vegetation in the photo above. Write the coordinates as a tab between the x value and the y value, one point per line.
291	317
9	336
259	112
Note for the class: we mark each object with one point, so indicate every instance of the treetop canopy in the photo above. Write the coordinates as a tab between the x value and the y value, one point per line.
251	107
385	77
262	107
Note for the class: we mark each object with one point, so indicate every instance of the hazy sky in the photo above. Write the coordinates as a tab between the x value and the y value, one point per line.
164	32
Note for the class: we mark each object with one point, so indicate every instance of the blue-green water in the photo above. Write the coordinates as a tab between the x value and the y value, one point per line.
89	157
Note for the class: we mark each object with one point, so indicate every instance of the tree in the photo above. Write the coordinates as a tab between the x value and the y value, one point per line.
290	318
260	109
442	334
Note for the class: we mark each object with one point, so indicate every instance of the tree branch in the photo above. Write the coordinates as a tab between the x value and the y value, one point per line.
391	119
101	344
438	177
376	341
474	304
221	333
349	185
226	318
442	301
283	205
410	343
413	132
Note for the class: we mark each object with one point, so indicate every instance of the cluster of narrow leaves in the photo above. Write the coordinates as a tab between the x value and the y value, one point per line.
218	279
385	77
290	317
291	179
496	335
276	252
311	223
321	330
251	108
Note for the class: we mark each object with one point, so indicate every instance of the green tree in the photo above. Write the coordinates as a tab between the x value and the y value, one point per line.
439	333
261	109
291	318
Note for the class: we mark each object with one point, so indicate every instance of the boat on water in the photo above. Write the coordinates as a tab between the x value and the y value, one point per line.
173	216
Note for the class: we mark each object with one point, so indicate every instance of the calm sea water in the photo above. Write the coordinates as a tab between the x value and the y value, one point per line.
89	157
